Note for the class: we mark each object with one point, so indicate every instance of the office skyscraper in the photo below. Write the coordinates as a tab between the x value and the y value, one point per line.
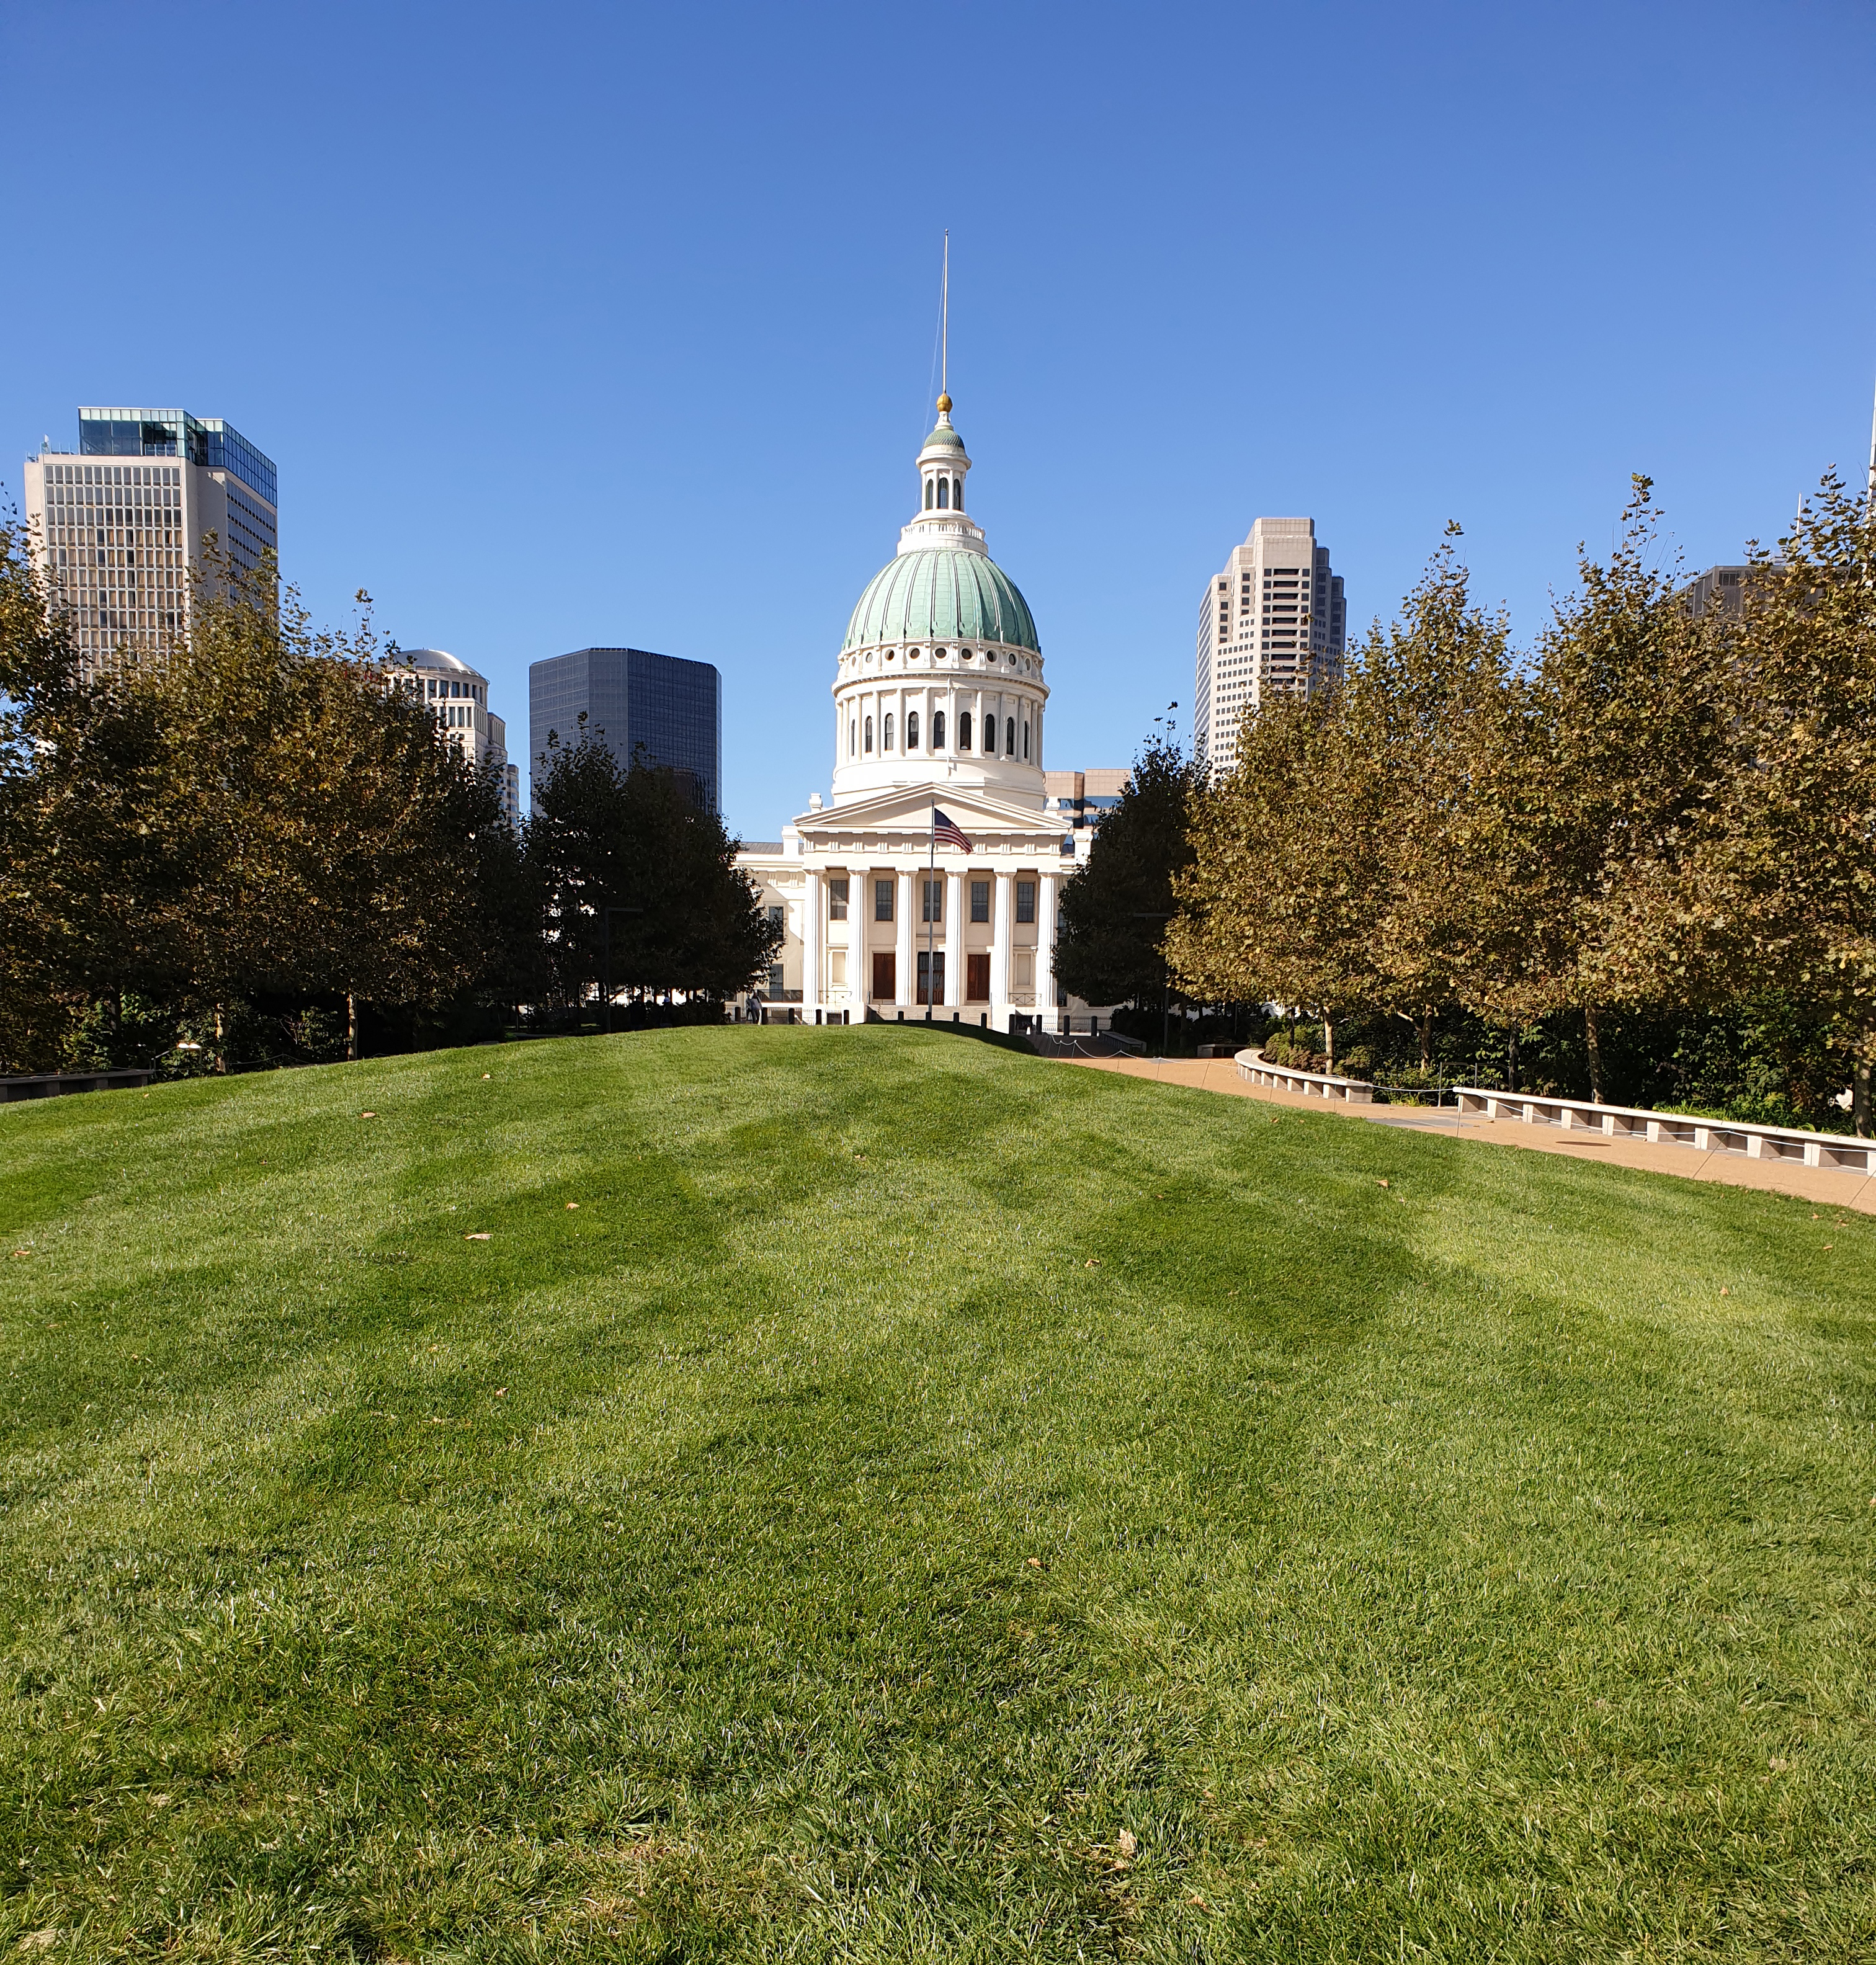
667	707
119	522
1273	623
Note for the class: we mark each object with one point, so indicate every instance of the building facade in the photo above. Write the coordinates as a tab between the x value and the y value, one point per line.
121	524
939	706
1720	586
669	707
457	695
1086	798
1273	623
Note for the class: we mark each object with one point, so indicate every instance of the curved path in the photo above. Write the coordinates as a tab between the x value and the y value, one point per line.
1827	1185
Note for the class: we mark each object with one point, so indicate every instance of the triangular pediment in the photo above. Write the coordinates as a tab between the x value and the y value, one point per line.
906	810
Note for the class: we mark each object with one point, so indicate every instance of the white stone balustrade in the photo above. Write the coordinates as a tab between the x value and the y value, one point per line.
1673	1129
1255	1069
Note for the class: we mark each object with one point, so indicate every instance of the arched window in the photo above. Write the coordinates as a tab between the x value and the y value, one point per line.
944	494
869	734
938	729
964	730
930	494
1026	743
958	492
886	733
911	730
989	736
1009	737
853	738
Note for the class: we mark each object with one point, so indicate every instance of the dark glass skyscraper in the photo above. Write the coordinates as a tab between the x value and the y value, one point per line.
669	707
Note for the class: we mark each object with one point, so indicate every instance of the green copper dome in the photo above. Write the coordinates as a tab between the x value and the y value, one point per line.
938	593
944	437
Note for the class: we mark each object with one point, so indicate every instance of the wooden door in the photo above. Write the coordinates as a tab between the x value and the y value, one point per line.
885	976
977	978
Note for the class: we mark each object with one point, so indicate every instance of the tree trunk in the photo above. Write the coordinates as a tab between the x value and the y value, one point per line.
1859	1097
1593	1038
1425	1041
352	1027
1328	1041
1511	1053
221	1051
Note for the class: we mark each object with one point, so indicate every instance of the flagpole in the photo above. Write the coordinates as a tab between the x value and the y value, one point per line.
930	991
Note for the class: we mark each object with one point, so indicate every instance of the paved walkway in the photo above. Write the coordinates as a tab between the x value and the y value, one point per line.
1829	1186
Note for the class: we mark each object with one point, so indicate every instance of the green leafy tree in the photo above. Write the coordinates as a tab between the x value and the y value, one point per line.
634	877
317	834
1771	882
1115	908
1429	712
77	864
1280	900
1618	744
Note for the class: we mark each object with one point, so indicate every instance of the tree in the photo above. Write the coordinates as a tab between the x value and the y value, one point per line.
1429	711
318	834
634	877
1338	865
1280	900
1617	744
1772	881
256	809
76	751
1115	908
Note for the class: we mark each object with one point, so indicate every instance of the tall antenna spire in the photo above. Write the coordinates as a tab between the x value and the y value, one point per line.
945	338
1869	495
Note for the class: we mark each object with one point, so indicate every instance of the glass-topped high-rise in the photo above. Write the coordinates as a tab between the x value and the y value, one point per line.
122	522
667	707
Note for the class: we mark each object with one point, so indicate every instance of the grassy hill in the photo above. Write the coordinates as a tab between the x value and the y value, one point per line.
871	1495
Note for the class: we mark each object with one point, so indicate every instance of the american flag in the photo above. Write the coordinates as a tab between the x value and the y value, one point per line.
945	831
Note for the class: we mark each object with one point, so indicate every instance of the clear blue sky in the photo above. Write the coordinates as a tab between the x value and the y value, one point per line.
614	324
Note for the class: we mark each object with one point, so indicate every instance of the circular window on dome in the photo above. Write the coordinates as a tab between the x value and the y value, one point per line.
964	654
912	655
890	654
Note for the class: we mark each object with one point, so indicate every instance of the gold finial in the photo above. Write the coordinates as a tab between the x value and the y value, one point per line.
945	406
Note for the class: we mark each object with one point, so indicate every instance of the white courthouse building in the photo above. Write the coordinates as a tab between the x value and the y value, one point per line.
939	705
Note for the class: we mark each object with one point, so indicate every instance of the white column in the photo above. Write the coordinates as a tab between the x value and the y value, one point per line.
1045	949
954	940
811	940
1000	928
903	978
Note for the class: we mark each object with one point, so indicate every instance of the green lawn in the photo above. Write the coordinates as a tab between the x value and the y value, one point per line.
922	1502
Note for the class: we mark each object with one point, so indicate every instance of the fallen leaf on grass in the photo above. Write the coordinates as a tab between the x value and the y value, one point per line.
368	1115
1827	1248
573	1203
503	1394
1091	1263
22	1252
1724	1290
485	1076
1381	1183
1035	1562
481	1235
